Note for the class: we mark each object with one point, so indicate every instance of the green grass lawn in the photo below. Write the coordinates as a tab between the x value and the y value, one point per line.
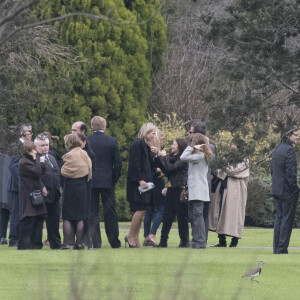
151	273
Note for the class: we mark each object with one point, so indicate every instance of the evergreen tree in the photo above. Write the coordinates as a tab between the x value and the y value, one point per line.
260	71
114	79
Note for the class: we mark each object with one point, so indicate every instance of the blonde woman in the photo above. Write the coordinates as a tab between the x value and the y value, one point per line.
197	155
140	173
77	171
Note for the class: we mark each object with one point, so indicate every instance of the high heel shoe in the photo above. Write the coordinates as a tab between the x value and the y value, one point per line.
130	246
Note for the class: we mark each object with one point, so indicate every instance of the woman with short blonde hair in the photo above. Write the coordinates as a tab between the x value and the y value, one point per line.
140	173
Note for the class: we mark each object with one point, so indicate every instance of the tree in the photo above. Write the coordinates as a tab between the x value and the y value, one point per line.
23	53
261	65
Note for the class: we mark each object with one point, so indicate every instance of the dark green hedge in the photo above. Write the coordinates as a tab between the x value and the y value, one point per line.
260	210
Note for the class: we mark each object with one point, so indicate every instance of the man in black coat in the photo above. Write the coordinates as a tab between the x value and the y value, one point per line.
13	187
107	171
51	182
284	189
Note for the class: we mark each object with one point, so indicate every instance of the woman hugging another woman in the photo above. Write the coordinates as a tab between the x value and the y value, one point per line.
197	155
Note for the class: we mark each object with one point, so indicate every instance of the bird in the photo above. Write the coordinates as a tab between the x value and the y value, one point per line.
254	272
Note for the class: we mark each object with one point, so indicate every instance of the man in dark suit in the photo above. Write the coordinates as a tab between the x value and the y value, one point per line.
51	182
107	171
13	187
284	189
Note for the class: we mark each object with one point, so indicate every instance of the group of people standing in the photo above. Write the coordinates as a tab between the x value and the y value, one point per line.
39	168
90	168
185	167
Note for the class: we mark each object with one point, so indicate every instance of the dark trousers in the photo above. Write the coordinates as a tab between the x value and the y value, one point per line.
14	231
110	217
52	222
31	233
173	207
205	217
285	213
4	217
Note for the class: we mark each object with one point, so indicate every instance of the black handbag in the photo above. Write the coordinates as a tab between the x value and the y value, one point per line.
37	198
184	196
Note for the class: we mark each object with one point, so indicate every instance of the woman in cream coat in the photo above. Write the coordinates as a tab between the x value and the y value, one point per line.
198	192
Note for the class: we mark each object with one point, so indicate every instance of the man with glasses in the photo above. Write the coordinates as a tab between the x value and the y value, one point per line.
13	188
79	127
284	189
51	181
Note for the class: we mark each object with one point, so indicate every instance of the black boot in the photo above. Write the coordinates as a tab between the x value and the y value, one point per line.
234	242
222	241
184	244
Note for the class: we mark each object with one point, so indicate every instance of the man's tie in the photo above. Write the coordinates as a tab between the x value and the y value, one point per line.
47	160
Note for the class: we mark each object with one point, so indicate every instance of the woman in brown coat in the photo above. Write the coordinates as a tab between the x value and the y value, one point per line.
32	218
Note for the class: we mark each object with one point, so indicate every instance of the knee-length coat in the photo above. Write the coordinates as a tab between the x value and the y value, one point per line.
30	173
227	214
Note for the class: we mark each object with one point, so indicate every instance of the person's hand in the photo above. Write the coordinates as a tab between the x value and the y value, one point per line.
162	153
42	159
200	147
161	175
45	192
164	191
143	184
154	150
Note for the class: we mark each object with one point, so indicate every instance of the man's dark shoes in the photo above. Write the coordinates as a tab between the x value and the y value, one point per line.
219	245
65	247
162	244
3	241
234	242
184	244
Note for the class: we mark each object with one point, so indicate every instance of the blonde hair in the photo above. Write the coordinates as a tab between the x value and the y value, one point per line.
98	123
157	139
72	141
145	129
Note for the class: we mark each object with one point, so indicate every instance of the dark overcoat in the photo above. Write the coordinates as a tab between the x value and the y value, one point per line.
30	173
140	167
13	176
108	163
51	178
284	171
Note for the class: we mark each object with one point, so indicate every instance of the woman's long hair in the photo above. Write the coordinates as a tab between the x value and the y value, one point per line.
199	139
182	144
157	139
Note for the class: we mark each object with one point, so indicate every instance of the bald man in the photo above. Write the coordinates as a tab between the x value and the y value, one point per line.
79	127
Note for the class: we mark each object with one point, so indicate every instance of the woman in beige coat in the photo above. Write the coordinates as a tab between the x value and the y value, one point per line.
77	171
228	205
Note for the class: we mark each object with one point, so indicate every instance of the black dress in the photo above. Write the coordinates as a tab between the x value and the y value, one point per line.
75	199
140	167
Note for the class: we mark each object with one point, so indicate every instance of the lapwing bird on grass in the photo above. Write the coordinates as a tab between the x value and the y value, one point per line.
254	272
